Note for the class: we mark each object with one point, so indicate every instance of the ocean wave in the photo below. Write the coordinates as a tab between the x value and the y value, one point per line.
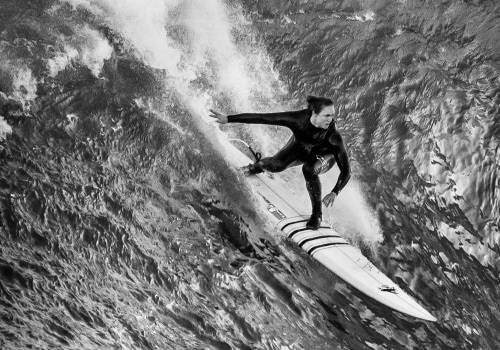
121	224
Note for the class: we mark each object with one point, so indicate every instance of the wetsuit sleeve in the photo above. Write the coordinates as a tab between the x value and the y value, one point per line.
342	159
281	118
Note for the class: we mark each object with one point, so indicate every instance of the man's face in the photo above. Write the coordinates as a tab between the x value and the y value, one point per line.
325	117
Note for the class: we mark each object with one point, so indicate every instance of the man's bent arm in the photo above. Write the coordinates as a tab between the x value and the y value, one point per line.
345	169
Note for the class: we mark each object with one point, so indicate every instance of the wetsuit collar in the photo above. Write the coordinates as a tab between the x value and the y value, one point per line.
309	121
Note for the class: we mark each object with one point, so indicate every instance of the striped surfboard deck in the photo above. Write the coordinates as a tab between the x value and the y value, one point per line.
325	244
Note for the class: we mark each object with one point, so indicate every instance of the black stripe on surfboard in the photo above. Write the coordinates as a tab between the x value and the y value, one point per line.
312	250
292	223
296	222
307	240
302	229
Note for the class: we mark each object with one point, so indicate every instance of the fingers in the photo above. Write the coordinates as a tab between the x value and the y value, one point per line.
216	115
329	199
219	117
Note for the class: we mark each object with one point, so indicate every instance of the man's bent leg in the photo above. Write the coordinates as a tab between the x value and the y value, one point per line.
286	157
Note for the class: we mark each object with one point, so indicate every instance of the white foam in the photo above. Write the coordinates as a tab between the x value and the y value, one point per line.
95	51
350	215
61	60
86	46
5	128
143	24
363	17
23	84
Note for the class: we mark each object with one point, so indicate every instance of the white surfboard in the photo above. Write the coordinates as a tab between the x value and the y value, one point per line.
326	245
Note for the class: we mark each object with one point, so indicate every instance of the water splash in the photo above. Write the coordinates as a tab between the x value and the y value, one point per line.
144	27
5	128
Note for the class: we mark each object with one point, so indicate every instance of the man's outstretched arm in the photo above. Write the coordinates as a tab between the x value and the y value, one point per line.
280	118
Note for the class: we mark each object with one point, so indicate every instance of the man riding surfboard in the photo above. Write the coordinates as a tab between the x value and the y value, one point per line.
315	143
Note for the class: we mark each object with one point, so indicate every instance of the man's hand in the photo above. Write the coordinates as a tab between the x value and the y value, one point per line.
329	199
219	117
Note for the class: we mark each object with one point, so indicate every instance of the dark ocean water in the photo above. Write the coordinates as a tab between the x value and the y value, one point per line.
123	227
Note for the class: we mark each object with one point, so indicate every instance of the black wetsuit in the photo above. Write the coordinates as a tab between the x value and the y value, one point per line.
307	144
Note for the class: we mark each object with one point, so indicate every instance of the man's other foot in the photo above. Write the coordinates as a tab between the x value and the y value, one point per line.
314	222
251	169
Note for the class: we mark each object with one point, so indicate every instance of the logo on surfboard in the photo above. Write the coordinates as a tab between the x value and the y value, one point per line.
272	209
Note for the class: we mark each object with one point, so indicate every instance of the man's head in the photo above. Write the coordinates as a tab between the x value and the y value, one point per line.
322	111
316	104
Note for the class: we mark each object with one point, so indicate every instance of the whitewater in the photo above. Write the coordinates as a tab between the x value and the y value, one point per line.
123	225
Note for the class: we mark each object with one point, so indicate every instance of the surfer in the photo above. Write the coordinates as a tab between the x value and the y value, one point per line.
315	143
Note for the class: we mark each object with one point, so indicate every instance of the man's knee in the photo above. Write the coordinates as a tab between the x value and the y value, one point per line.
309	174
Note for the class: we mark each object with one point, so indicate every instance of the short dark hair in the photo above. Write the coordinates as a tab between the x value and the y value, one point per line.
316	104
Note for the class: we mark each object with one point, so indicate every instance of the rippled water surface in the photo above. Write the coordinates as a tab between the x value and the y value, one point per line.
123	227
